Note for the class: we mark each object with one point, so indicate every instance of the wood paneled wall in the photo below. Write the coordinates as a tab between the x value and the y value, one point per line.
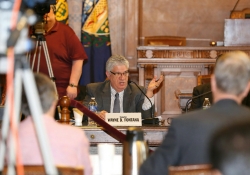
199	21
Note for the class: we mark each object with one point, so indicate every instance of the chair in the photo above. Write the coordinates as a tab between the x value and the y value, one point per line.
203	169
39	170
164	41
203	79
82	93
183	97
243	14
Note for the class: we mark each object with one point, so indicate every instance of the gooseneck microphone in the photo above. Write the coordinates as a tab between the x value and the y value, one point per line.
152	120
190	100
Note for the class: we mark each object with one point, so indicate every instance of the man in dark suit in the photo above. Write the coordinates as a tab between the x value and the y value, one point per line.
230	149
206	88
130	97
198	90
187	140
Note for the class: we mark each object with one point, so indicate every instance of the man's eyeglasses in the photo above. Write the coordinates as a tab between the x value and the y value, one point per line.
118	74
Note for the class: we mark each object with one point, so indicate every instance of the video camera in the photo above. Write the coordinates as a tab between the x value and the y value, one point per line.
19	36
41	9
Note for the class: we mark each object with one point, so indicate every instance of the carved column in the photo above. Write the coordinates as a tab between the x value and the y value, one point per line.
131	31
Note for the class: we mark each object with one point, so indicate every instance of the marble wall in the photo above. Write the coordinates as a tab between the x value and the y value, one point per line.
200	21
194	19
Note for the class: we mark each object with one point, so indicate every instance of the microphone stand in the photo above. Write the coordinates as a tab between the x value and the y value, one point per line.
152	120
190	100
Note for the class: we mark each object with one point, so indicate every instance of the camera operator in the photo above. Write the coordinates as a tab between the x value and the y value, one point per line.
66	55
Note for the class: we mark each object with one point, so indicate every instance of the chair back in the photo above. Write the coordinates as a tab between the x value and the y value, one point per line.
202	169
240	14
203	79
40	170
164	41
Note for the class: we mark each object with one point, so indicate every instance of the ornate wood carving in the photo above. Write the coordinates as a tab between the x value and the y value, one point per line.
203	79
174	52
165	40
65	113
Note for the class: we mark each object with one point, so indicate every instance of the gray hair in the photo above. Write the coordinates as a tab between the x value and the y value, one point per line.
46	93
232	72
116	60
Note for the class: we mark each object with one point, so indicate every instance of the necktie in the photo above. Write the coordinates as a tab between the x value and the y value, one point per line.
116	108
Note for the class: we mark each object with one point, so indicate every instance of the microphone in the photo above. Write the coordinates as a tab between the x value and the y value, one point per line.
152	120
190	100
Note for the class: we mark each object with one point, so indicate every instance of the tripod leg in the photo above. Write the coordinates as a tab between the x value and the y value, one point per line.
34	56
46	53
14	149
39	59
18	95
4	134
50	70
6	120
28	56
12	145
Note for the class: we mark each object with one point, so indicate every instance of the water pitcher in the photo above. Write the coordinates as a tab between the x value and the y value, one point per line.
135	151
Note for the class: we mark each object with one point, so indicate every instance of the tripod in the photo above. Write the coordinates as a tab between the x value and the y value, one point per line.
22	75
41	43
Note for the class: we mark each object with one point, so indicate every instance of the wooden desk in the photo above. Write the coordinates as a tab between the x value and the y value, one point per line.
153	134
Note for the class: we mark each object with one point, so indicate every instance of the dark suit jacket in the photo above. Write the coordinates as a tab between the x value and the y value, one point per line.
198	90
132	99
201	89
187	140
246	100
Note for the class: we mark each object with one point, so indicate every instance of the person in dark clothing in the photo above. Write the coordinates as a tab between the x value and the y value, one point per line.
204	88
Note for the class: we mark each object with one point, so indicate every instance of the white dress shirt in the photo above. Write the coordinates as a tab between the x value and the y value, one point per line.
146	104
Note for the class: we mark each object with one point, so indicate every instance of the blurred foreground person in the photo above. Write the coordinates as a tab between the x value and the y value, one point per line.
69	145
187	140
230	150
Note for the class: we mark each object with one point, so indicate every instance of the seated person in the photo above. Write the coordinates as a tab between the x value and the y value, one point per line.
205	89
69	145
199	90
230	149
130	97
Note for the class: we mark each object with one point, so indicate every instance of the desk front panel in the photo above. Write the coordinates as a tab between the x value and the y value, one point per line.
154	135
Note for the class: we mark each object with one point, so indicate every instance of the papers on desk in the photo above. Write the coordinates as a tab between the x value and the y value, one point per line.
123	119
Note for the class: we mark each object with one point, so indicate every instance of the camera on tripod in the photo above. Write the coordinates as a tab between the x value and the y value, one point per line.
41	9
